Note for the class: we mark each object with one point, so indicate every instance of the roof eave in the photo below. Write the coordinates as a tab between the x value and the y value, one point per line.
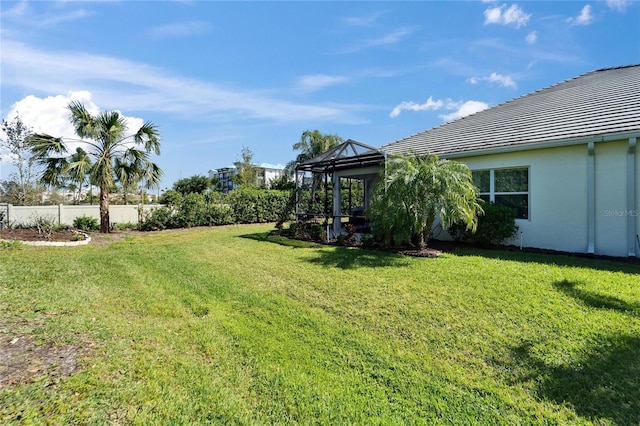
543	145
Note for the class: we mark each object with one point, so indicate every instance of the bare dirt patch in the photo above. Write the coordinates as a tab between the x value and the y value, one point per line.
22	359
100	239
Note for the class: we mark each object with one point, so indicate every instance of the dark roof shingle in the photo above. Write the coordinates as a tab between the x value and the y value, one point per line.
597	103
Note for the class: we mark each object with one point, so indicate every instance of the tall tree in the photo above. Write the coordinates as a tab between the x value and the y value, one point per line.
106	139
25	189
414	190
246	173
197	184
313	143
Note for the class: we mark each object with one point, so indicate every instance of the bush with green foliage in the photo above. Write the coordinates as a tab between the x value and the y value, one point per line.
245	205
251	205
86	223
171	197
317	232
126	226
293	229
188	211
157	219
496	226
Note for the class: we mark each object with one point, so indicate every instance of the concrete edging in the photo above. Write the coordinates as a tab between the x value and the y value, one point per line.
84	242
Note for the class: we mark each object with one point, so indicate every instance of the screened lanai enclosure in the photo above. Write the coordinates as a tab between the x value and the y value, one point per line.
334	188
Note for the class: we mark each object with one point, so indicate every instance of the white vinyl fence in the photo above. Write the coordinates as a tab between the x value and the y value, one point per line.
64	214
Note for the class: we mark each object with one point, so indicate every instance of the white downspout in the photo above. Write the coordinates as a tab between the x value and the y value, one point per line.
631	198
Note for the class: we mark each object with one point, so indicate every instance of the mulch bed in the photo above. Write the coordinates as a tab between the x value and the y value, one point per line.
63	236
32	235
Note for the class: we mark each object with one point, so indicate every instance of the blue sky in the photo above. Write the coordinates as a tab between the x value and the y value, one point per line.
217	76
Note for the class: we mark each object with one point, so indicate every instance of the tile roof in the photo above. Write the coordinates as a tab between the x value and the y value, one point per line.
597	103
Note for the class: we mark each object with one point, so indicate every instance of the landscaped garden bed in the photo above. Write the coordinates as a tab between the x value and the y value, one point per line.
32	235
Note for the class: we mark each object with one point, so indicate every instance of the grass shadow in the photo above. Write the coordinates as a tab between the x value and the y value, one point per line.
602	384
270	237
352	257
577	260
339	257
595	300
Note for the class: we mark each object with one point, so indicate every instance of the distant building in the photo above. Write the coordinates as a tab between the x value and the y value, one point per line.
225	175
265	174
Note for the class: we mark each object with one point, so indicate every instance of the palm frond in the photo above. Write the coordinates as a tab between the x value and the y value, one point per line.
44	146
148	136
54	171
83	122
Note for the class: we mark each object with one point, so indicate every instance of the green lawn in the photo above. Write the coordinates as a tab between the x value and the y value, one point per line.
232	326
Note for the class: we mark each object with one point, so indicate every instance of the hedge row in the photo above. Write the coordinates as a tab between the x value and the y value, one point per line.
239	206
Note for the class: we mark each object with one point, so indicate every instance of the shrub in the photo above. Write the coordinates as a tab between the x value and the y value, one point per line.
317	232
496	226
367	241
86	223
157	219
192	210
45	225
171	197
218	214
126	225
250	205
293	229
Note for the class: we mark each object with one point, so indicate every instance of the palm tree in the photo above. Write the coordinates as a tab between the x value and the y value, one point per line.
78	169
415	190
312	143
126	175
106	139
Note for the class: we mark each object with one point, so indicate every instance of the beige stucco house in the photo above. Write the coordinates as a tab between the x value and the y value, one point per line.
565	157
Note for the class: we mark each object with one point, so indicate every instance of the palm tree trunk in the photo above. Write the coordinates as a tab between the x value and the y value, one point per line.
104	210
426	232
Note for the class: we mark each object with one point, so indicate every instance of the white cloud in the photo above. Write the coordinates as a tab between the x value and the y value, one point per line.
21	13
120	83
460	109
179	29
312	83
19	9
50	115
464	109
361	21
502	80
430	104
532	37
619	5
512	15
585	17
493	15
391	38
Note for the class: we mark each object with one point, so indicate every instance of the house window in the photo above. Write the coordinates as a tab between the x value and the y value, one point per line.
509	187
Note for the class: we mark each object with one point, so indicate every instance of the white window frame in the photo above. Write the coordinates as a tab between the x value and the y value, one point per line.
492	192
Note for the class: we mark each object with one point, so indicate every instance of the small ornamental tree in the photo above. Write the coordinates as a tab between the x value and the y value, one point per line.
414	191
21	188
